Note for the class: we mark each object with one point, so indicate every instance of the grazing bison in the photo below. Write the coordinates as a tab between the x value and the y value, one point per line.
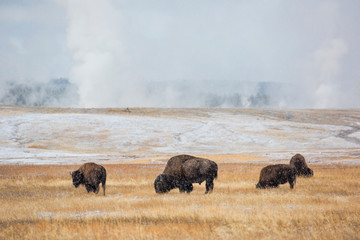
91	175
273	175
298	161
183	170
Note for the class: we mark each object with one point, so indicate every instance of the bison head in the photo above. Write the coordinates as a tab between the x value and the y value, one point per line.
78	178
163	184
307	172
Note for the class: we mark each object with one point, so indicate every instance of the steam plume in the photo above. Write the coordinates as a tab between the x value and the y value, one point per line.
213	54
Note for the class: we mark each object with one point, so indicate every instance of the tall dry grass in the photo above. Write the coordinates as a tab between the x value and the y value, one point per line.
39	202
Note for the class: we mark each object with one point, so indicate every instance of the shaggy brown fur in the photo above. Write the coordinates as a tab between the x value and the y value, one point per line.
183	170
90	175
273	175
298	161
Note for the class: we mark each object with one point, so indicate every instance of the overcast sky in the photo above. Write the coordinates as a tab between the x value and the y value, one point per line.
112	49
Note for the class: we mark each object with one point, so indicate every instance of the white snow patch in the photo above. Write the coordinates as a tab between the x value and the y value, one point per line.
65	138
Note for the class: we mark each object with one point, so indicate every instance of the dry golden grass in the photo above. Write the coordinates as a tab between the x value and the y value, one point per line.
39	202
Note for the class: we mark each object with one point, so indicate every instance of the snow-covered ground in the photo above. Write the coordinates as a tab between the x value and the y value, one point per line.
72	136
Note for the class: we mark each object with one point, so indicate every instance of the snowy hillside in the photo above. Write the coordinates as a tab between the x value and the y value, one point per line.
64	136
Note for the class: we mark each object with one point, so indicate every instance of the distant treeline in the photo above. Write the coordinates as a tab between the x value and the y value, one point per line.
56	93
237	100
217	94
209	94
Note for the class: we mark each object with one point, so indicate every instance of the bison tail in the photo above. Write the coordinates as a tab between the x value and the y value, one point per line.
216	171
215	175
103	181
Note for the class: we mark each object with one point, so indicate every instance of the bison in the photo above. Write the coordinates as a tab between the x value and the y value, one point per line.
273	175
298	161
90	175
183	170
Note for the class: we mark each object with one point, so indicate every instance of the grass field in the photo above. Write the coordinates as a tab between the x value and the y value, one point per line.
39	202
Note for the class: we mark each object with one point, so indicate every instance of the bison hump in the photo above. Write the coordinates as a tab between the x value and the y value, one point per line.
175	164
91	169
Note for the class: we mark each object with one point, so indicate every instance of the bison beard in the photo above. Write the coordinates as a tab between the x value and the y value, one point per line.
90	175
273	175
182	171
298	161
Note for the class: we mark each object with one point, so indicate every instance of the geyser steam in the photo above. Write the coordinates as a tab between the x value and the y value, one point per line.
213	53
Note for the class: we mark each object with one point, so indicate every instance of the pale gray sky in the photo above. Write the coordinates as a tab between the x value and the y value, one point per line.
113	49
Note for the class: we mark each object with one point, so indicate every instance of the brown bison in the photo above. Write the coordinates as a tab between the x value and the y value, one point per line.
298	161
90	175
273	175
183	170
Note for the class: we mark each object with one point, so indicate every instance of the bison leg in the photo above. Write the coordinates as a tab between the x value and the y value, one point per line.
189	187
292	183
96	189
103	187
209	185
88	188
181	188
185	187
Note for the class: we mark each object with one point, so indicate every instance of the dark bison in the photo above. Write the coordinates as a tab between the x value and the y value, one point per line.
90	175
298	161
183	170
273	175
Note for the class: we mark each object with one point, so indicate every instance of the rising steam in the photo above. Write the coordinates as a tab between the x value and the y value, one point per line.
185	54
325	71
204	54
